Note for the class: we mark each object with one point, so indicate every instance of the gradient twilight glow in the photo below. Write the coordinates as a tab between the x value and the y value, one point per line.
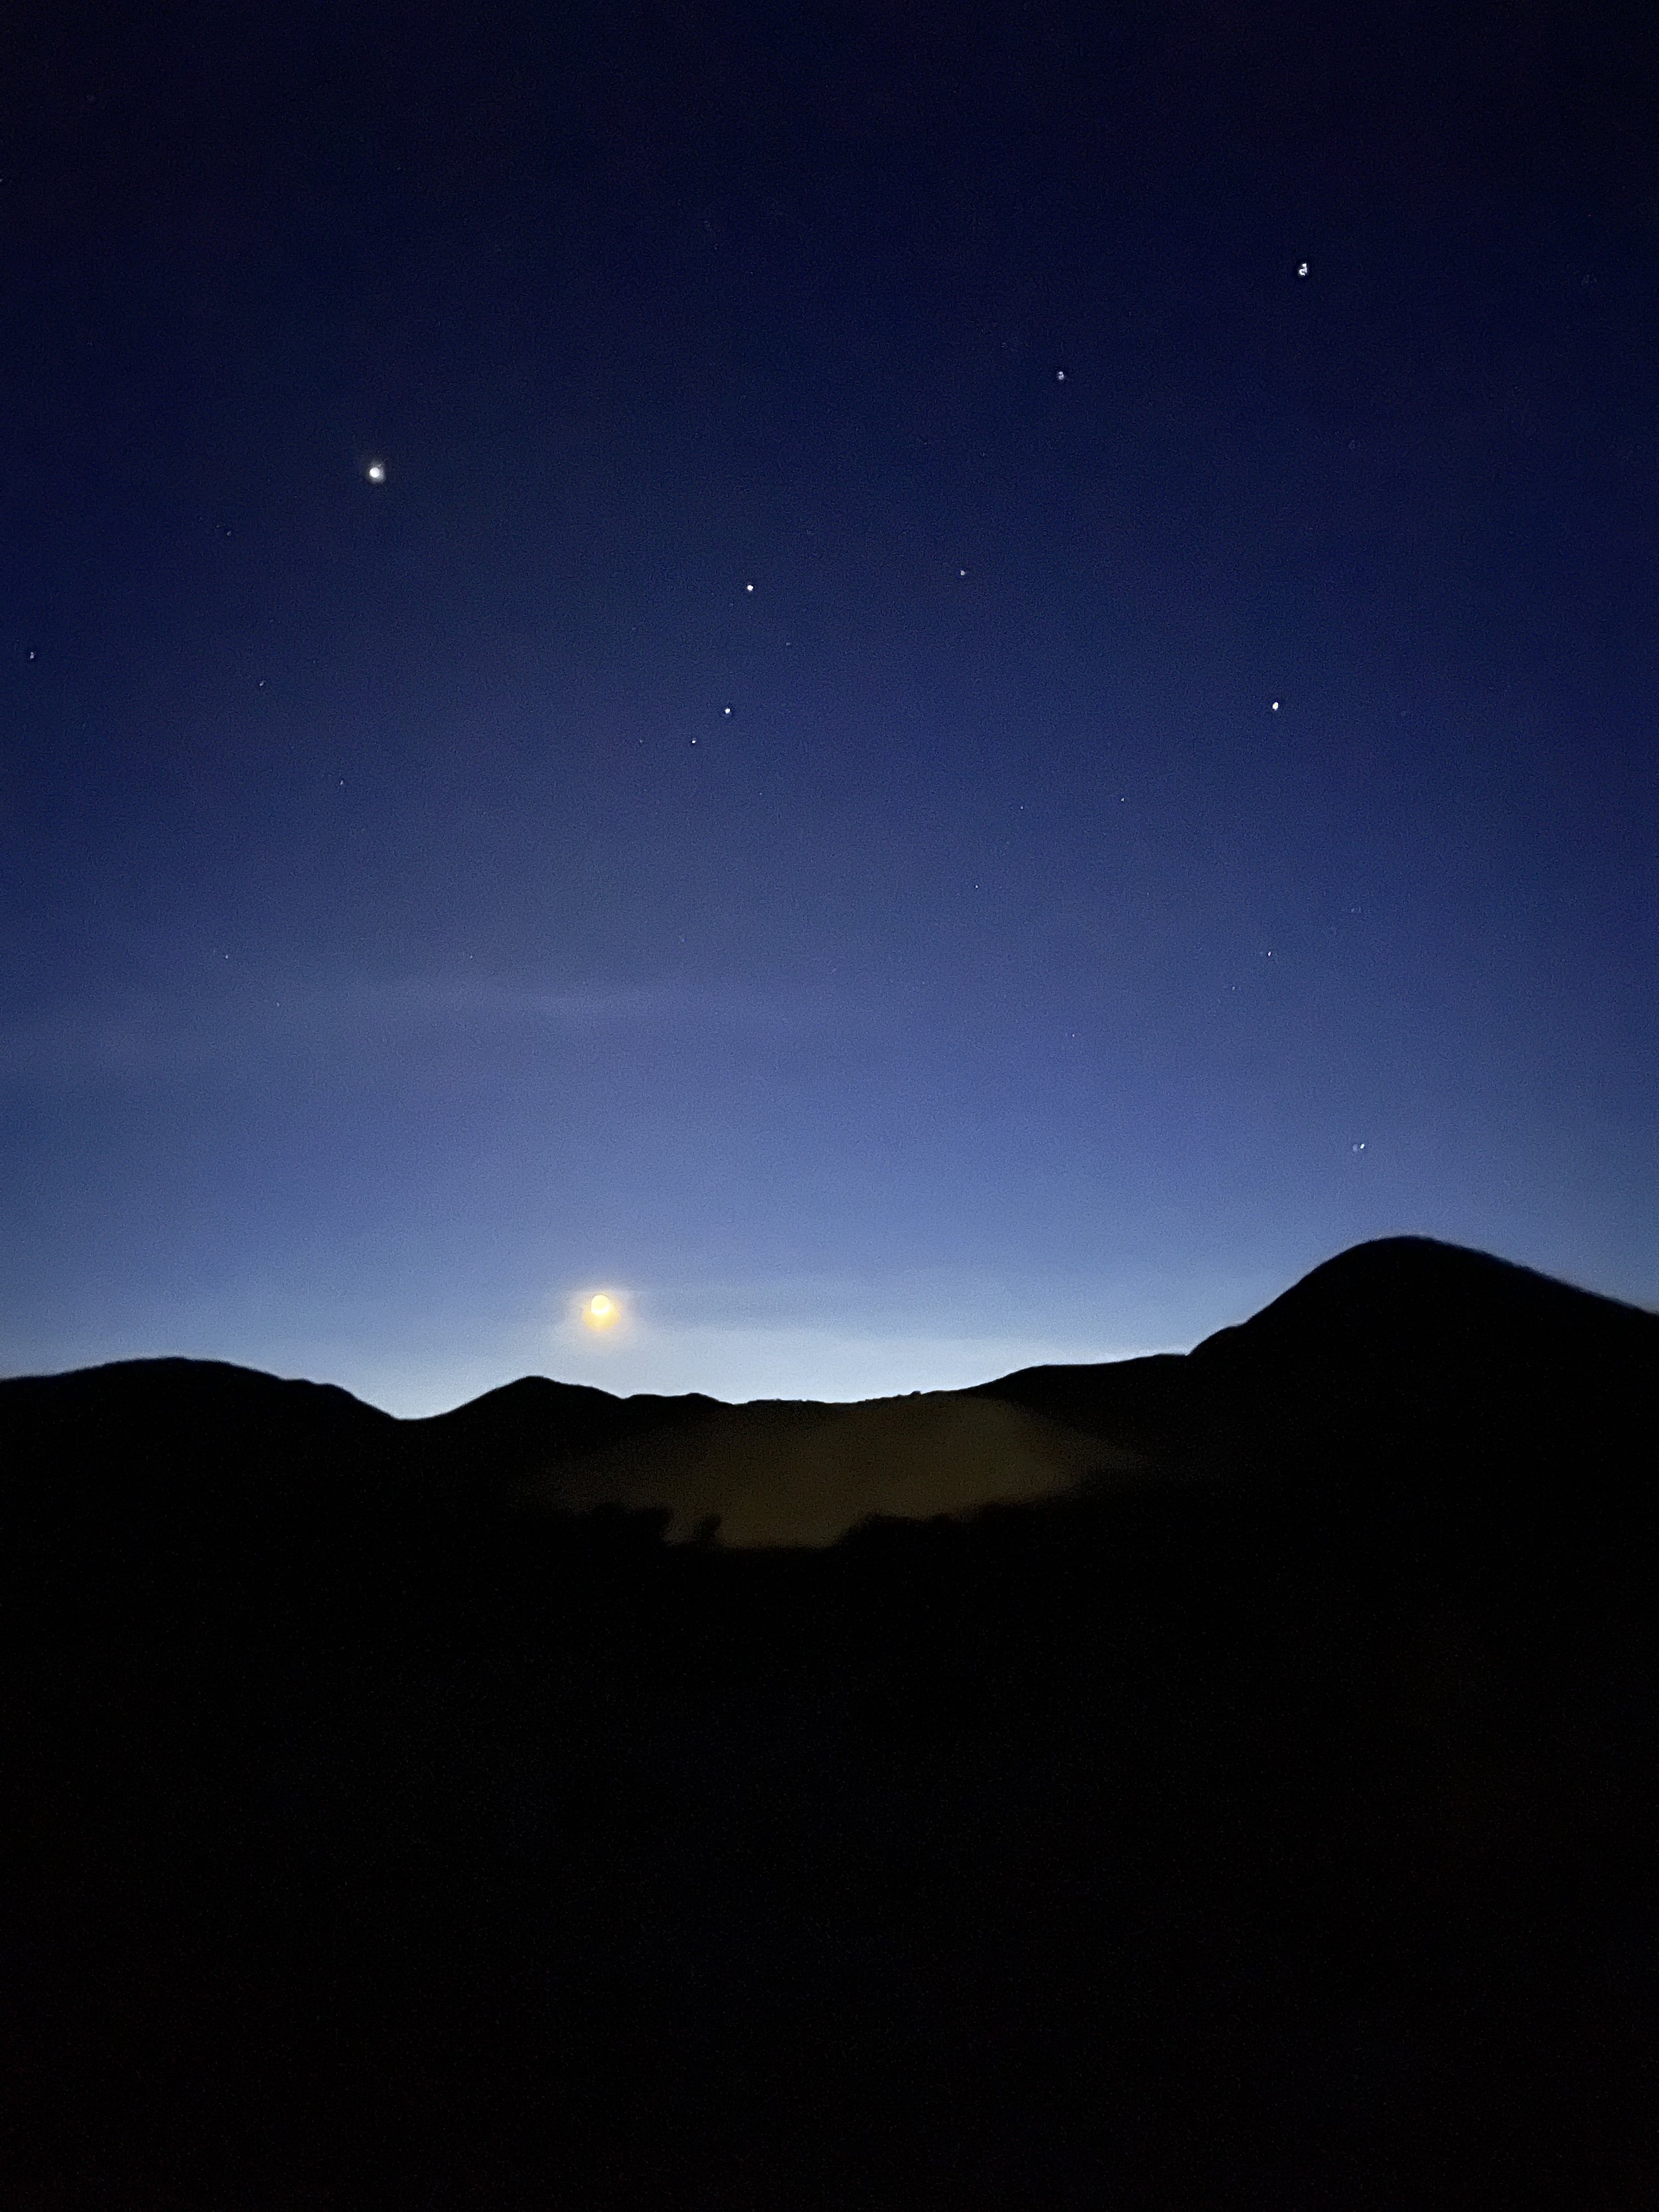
941	691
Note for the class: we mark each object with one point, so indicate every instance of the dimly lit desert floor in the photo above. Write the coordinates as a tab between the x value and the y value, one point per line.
1265	1815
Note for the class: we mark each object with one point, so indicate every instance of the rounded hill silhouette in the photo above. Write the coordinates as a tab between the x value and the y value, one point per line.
1185	1784
1403	1346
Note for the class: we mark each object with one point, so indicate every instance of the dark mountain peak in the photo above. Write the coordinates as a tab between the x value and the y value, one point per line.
1415	1294
1390	1349
1406	1347
190	1444
518	1427
530	1398
185	1395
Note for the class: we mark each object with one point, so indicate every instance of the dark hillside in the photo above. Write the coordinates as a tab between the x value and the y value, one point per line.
1407	1335
516	1429
197	1405
1227	1845
1140	1402
1386	1350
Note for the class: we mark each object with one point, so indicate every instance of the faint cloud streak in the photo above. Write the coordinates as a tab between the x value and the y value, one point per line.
151	1037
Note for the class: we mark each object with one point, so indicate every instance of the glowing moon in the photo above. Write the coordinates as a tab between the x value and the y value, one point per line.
601	1311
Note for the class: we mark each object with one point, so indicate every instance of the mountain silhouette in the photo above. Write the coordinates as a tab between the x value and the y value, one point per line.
196	1405
1184	1784
1390	1347
518	1429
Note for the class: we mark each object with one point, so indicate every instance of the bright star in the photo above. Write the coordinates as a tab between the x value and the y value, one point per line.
375	471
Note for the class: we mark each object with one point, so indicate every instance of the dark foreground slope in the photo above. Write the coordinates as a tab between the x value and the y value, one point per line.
1257	1842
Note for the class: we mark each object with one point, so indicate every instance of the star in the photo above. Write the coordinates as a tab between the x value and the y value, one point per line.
1301	268
375	471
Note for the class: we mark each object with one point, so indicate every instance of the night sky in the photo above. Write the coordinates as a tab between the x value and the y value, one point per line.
920	690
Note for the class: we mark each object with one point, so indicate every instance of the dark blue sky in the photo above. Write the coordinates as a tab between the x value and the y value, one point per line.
426	901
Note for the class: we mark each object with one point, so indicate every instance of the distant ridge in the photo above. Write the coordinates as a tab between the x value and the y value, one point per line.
514	1430
1389	1351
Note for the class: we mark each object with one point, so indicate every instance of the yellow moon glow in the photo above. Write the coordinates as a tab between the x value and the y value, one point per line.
600	1311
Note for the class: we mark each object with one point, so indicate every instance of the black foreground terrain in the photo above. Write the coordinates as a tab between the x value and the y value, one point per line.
1285	1835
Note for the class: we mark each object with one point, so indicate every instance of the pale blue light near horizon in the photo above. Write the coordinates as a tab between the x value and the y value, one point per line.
956	1334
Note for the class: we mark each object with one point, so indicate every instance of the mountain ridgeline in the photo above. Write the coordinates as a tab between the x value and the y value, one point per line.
1382	1360
1220	1780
